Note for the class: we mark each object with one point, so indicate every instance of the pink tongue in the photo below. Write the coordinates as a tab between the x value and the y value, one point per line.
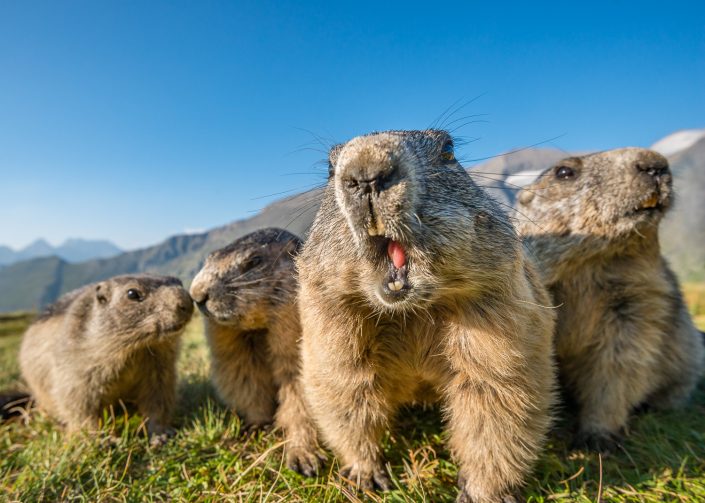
396	253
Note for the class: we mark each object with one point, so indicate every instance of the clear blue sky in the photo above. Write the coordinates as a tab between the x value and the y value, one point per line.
135	120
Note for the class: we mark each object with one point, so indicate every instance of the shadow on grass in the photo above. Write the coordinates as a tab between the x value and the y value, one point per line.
662	452
195	392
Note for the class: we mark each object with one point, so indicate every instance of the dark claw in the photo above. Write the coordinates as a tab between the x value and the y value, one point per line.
249	428
307	463
378	479
159	439
381	480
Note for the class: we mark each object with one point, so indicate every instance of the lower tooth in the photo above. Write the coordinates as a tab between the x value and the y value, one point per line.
398	284
394	286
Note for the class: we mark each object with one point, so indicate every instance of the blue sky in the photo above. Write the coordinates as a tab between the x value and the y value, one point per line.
133	121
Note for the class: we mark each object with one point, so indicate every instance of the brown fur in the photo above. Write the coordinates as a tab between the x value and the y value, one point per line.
247	292
95	347
624	336
467	322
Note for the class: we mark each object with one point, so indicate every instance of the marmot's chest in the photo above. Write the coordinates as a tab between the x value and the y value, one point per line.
122	382
411	360
599	305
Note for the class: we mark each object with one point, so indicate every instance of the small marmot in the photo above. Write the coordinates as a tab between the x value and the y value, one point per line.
623	336
413	277
247	293
116	340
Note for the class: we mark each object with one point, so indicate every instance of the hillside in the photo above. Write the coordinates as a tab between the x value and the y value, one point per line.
72	250
34	283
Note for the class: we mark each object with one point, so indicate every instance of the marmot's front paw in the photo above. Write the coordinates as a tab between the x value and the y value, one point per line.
602	442
253	426
367	479
160	436
305	461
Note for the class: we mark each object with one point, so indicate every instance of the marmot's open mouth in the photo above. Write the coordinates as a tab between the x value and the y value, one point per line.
650	203
397	255
396	283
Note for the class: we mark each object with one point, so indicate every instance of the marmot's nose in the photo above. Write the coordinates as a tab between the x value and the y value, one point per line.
201	299
366	181
198	293
652	164
186	307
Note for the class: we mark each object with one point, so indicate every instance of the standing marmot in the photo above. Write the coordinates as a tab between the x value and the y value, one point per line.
412	276
247	292
624	336
109	341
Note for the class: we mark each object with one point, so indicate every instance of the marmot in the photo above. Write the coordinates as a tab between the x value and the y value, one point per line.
247	293
413	277
106	342
623	336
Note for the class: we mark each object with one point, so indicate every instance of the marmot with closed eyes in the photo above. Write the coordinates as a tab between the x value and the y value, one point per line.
247	294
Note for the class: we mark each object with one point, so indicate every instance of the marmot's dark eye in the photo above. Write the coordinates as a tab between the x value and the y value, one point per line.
448	152
251	263
564	172
133	294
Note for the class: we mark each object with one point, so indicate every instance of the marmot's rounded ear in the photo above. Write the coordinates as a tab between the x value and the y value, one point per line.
101	293
333	158
299	246
525	196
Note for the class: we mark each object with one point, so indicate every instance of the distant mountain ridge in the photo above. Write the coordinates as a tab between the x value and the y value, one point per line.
72	250
34	283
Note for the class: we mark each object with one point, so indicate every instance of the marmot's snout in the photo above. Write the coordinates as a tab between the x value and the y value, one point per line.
199	290
370	174
369	182
651	164
184	303
654	175
177	308
366	189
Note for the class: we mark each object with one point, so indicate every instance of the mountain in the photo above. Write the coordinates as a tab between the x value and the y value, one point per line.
72	250
7	255
38	248
683	234
34	283
504	175
30	284
78	250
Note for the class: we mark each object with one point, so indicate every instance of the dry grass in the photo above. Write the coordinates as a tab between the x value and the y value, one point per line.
695	297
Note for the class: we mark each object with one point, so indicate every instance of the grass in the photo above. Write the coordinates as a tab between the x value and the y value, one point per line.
695	298
212	459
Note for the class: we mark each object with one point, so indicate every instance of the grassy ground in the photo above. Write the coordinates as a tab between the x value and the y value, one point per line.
211	459
695	297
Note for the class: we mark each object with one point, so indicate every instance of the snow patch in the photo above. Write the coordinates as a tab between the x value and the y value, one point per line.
678	141
523	177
